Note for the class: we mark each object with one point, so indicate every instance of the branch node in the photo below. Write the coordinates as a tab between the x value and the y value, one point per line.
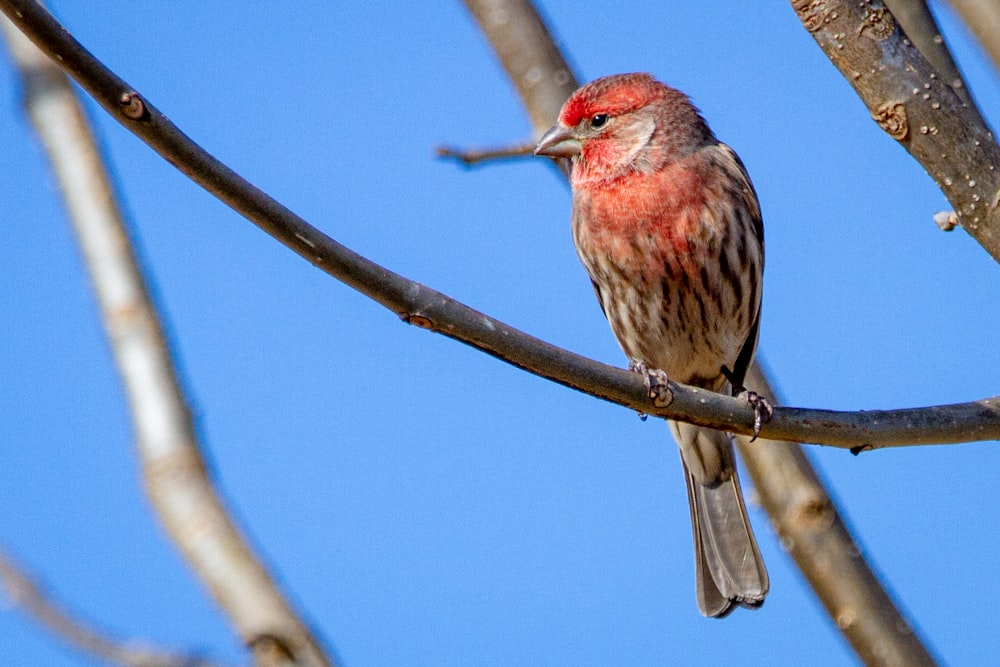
662	396
846	618
815	513
946	220
878	24
814	15
270	649
416	320
891	117
132	105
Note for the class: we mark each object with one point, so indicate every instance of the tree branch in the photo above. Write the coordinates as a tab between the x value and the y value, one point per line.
915	105
817	538
29	596
470	157
525	48
176	476
983	19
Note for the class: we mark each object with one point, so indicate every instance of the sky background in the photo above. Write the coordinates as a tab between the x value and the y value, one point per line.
423	503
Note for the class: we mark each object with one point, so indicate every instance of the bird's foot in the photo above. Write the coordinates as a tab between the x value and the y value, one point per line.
762	410
657	384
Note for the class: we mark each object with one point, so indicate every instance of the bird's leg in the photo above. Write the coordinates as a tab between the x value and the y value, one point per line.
762	410
657	387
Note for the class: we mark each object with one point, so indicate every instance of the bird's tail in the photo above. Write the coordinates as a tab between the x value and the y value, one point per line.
729	570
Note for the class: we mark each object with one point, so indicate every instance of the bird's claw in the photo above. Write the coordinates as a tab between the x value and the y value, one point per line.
657	384
762	410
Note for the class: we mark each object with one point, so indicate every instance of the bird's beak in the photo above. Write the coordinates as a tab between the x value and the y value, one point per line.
558	142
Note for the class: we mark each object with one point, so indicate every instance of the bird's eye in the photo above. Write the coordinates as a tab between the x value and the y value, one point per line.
598	120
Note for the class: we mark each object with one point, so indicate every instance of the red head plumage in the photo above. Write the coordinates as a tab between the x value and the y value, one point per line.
613	95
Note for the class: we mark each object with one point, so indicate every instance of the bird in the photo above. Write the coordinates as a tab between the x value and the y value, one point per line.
668	226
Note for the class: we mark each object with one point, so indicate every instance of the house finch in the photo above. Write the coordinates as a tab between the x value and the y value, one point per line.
667	224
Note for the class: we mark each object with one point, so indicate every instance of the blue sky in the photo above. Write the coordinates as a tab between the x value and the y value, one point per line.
424	503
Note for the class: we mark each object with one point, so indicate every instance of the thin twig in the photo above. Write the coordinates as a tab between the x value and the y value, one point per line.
422	306
24	592
176	476
913	103
470	157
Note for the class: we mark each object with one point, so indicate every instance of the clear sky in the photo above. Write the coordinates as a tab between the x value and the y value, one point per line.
422	502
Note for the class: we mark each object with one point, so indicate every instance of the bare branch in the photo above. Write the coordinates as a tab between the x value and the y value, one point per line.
29	596
813	532
177	479
915	105
946	220
475	156
983	19
424	307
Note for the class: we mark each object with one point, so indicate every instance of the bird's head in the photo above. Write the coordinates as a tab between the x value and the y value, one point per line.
624	123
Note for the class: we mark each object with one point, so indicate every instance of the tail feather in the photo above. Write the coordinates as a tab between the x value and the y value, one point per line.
729	570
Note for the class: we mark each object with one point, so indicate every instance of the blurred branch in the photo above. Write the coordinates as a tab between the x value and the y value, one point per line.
424	307
529	55
783	476
812	531
922	28
29	596
177	479
983	18
915	105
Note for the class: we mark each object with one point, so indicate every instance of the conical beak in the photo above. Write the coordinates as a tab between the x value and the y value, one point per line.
558	142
